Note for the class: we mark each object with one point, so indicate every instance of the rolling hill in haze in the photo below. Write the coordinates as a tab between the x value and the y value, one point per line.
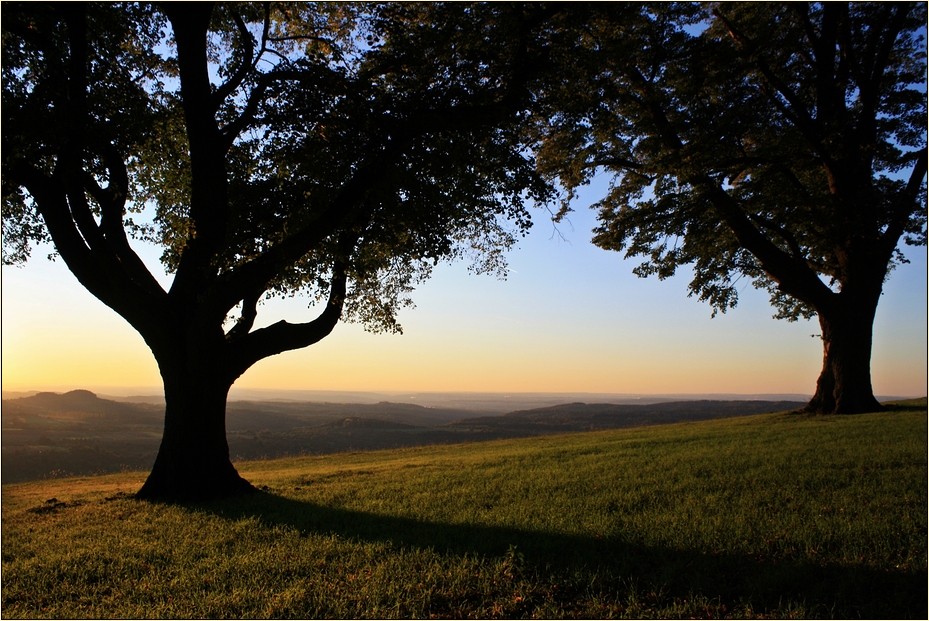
78	433
77	405
589	417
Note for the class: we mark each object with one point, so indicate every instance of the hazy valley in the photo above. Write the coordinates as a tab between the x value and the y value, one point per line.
49	435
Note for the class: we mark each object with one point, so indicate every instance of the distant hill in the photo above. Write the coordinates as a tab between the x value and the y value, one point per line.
237	412
356	422
240	415
50	435
588	417
79	404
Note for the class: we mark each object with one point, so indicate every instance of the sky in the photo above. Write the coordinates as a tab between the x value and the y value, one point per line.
570	317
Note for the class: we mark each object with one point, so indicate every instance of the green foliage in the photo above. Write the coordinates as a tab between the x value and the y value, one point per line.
777	142
772	516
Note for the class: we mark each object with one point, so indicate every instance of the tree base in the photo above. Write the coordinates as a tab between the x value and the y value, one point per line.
159	488
820	406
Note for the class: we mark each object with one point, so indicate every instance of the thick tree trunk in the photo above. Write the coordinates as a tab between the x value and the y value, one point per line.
844	385
198	363
193	460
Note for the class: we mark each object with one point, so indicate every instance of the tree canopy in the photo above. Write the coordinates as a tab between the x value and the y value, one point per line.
782	143
329	121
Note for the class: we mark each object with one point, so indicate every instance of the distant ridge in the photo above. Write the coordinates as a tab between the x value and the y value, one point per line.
589	417
74	402
479	402
498	402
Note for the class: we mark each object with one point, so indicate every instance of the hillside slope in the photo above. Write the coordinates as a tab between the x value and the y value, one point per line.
769	516
79	433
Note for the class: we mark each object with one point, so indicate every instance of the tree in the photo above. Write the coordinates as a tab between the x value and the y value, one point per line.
337	150
780	142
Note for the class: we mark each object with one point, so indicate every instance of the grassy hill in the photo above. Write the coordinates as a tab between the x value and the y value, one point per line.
768	516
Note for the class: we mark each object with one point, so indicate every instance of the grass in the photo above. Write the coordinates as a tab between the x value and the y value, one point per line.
780	516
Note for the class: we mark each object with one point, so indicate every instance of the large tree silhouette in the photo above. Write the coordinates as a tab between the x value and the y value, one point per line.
780	142
337	150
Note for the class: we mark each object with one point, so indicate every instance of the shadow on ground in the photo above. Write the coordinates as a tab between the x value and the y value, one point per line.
734	581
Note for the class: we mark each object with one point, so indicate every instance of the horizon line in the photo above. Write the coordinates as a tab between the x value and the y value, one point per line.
241	393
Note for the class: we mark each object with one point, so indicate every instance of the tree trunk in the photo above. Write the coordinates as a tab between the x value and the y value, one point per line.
193	460
844	385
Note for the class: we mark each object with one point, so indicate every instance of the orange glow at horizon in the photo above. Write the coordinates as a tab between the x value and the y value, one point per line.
352	360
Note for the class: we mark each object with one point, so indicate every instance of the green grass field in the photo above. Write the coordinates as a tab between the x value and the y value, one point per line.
765	516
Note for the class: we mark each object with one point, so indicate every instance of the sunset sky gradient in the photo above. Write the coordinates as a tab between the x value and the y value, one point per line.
569	318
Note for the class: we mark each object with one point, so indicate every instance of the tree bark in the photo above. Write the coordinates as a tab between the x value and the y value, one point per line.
193	459
844	385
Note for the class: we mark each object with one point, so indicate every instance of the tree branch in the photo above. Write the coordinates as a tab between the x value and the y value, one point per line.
227	88
793	275
794	110
70	161
907	202
784	234
98	270
312	78
112	201
52	203
870	79
282	336
209	204
62	198
247	319
343	210
617	162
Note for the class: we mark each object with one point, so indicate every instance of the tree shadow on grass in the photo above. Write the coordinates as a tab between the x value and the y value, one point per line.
766	583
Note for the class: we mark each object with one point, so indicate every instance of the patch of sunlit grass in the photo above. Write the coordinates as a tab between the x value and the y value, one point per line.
780	516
